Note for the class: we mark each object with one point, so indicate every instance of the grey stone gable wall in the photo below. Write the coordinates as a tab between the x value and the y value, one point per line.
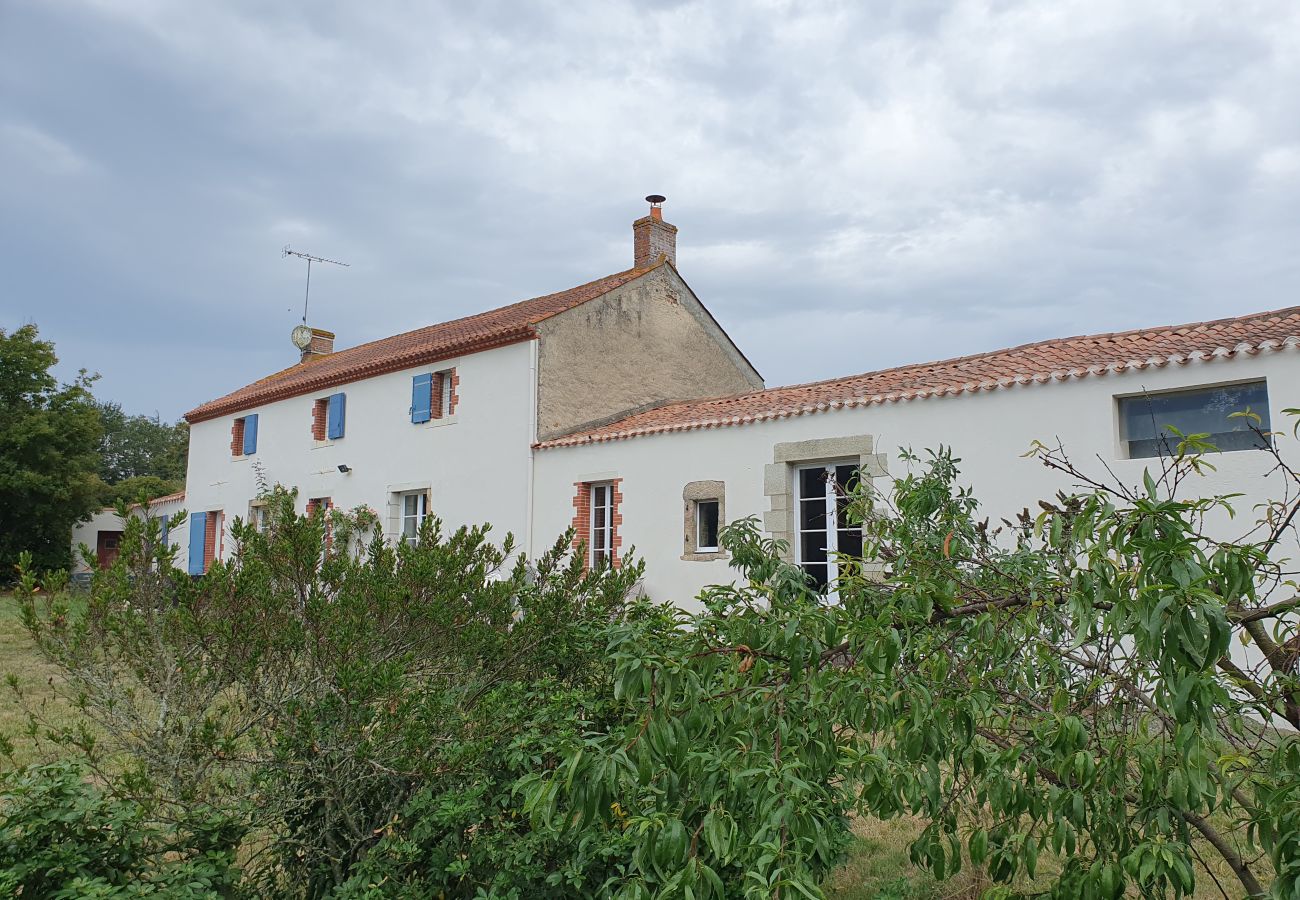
645	344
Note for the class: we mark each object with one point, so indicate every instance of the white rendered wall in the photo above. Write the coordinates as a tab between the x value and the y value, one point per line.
87	532
989	431
475	463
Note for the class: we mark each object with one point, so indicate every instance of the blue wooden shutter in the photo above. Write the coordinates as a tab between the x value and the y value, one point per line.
162	530
338	410
421	398
250	434
198	537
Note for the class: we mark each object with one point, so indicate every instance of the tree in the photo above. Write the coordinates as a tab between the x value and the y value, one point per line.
48	451
1064	685
137	489
140	455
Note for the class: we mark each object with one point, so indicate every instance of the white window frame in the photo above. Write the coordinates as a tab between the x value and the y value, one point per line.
446	393
831	529
699	526
601	537
422	512
259	514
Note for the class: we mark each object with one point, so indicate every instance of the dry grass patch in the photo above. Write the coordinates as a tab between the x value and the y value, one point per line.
24	668
878	868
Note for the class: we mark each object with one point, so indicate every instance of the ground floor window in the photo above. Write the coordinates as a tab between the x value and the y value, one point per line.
602	524
824	532
259	515
707	513
414	509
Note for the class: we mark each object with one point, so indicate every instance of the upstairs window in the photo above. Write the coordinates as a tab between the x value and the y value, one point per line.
319	418
338	404
1146	420
328	415
421	398
433	395
243	436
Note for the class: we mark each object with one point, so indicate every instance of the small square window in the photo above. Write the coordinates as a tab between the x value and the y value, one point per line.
1146	420
707	513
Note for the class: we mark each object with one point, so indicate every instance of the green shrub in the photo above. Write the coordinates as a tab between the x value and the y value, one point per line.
63	837
351	703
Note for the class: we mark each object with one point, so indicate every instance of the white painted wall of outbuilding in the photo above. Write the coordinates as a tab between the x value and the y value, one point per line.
989	431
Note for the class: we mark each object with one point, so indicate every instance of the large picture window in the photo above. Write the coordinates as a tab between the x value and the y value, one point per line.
1145	420
824	531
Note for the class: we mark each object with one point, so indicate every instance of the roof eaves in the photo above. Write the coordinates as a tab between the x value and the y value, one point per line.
223	406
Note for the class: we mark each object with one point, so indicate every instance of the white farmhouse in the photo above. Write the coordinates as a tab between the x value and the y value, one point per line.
621	408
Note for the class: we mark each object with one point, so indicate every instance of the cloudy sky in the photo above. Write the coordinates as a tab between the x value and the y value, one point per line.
857	185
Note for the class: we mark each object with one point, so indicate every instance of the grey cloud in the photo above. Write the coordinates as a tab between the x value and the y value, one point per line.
857	184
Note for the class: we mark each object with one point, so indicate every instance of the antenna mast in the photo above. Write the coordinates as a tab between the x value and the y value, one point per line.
310	259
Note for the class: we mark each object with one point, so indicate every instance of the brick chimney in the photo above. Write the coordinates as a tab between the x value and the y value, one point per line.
652	237
322	344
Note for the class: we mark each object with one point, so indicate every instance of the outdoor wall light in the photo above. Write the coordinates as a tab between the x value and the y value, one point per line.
344	468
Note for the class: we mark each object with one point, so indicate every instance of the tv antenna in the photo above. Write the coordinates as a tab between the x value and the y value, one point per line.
287	251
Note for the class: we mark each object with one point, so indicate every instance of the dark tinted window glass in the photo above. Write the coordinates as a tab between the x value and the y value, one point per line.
1145	420
850	542
706	524
812	514
812	482
813	547
818	573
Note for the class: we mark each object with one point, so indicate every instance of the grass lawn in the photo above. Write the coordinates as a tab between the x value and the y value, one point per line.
18	657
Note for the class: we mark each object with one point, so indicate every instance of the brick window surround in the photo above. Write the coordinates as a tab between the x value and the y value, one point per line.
237	438
210	538
324	504
582	520
319	415
436	389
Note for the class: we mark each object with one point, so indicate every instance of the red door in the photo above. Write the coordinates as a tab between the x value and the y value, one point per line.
107	546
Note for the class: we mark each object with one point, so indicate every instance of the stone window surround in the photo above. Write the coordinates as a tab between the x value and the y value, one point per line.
692	492
778	476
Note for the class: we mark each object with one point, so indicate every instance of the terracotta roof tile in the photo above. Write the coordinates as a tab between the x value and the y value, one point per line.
1045	361
472	334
